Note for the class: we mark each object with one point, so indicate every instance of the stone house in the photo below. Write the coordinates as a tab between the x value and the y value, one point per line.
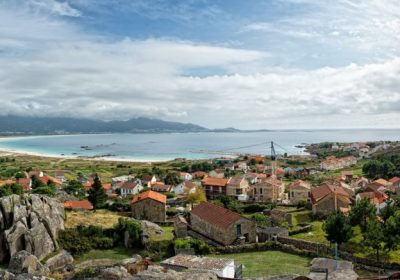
238	187
149	206
222	225
377	198
328	198
214	187
299	190
267	190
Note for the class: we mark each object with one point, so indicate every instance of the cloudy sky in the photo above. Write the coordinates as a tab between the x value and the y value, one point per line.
217	63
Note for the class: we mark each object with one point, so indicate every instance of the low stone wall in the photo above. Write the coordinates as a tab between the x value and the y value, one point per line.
302	229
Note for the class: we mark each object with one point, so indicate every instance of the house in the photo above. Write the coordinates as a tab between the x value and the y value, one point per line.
199	174
377	198
161	187
328	198
271	233
347	175
395	185
299	190
359	183
148	180
333	163
185	176
107	188
374	186
241	165
254	178
267	190
184	188
60	175
221	225
238	187
214	187
149	206
224	268
121	179
129	188
216	174
382	182
78	205
180	227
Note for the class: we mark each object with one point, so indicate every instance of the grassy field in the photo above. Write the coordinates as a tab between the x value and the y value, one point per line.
168	234
106	169
101	217
269	263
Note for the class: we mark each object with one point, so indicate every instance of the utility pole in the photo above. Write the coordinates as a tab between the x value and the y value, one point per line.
273	158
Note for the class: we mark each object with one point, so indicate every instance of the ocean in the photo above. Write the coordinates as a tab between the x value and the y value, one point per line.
168	146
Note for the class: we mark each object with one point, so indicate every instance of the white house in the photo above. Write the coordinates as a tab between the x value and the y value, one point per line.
130	188
186	176
224	268
185	187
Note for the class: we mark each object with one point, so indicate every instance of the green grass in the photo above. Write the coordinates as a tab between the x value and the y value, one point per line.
168	234
112	254
315	235
301	217
269	263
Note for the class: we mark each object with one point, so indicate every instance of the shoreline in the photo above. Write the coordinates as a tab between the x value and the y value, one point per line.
13	152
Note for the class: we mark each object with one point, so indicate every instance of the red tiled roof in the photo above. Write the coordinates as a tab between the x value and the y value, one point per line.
151	195
210	181
299	184
45	180
382	182
376	197
320	192
394	180
75	204
7	182
215	215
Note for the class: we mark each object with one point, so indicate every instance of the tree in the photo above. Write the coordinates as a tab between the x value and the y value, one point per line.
10	189
97	195
75	187
374	236
375	169
196	197
392	231
337	228
172	179
20	175
363	212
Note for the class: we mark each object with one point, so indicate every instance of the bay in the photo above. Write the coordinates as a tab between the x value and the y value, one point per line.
168	146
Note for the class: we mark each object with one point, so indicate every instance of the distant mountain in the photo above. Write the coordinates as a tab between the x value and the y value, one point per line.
16	125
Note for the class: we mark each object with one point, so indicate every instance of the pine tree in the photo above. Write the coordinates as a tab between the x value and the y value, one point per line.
97	195
337	228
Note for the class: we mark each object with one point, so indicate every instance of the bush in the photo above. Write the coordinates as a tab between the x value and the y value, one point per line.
301	204
85	273
72	241
134	229
199	246
254	208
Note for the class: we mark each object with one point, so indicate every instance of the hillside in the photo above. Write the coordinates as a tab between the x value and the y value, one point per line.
16	125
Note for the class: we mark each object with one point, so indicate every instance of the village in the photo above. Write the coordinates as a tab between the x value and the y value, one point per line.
227	206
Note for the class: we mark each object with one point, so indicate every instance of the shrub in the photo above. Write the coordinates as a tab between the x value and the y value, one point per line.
134	229
85	273
199	246
254	208
72	241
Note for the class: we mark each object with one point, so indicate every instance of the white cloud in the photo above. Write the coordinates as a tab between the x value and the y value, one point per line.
56	69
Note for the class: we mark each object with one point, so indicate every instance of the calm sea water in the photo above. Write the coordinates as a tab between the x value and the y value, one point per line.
186	145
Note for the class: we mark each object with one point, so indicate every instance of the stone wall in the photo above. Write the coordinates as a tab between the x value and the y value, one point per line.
150	210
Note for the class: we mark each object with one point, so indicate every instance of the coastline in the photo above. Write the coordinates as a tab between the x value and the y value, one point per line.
13	152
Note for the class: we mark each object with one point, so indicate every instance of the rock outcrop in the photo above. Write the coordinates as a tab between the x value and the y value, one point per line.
23	262
61	260
29	223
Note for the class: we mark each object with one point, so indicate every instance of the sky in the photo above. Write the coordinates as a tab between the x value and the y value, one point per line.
259	64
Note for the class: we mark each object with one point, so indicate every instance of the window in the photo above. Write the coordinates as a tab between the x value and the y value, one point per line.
238	230
238	191
260	190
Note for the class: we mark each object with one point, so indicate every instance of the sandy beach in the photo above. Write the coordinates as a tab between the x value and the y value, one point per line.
12	152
